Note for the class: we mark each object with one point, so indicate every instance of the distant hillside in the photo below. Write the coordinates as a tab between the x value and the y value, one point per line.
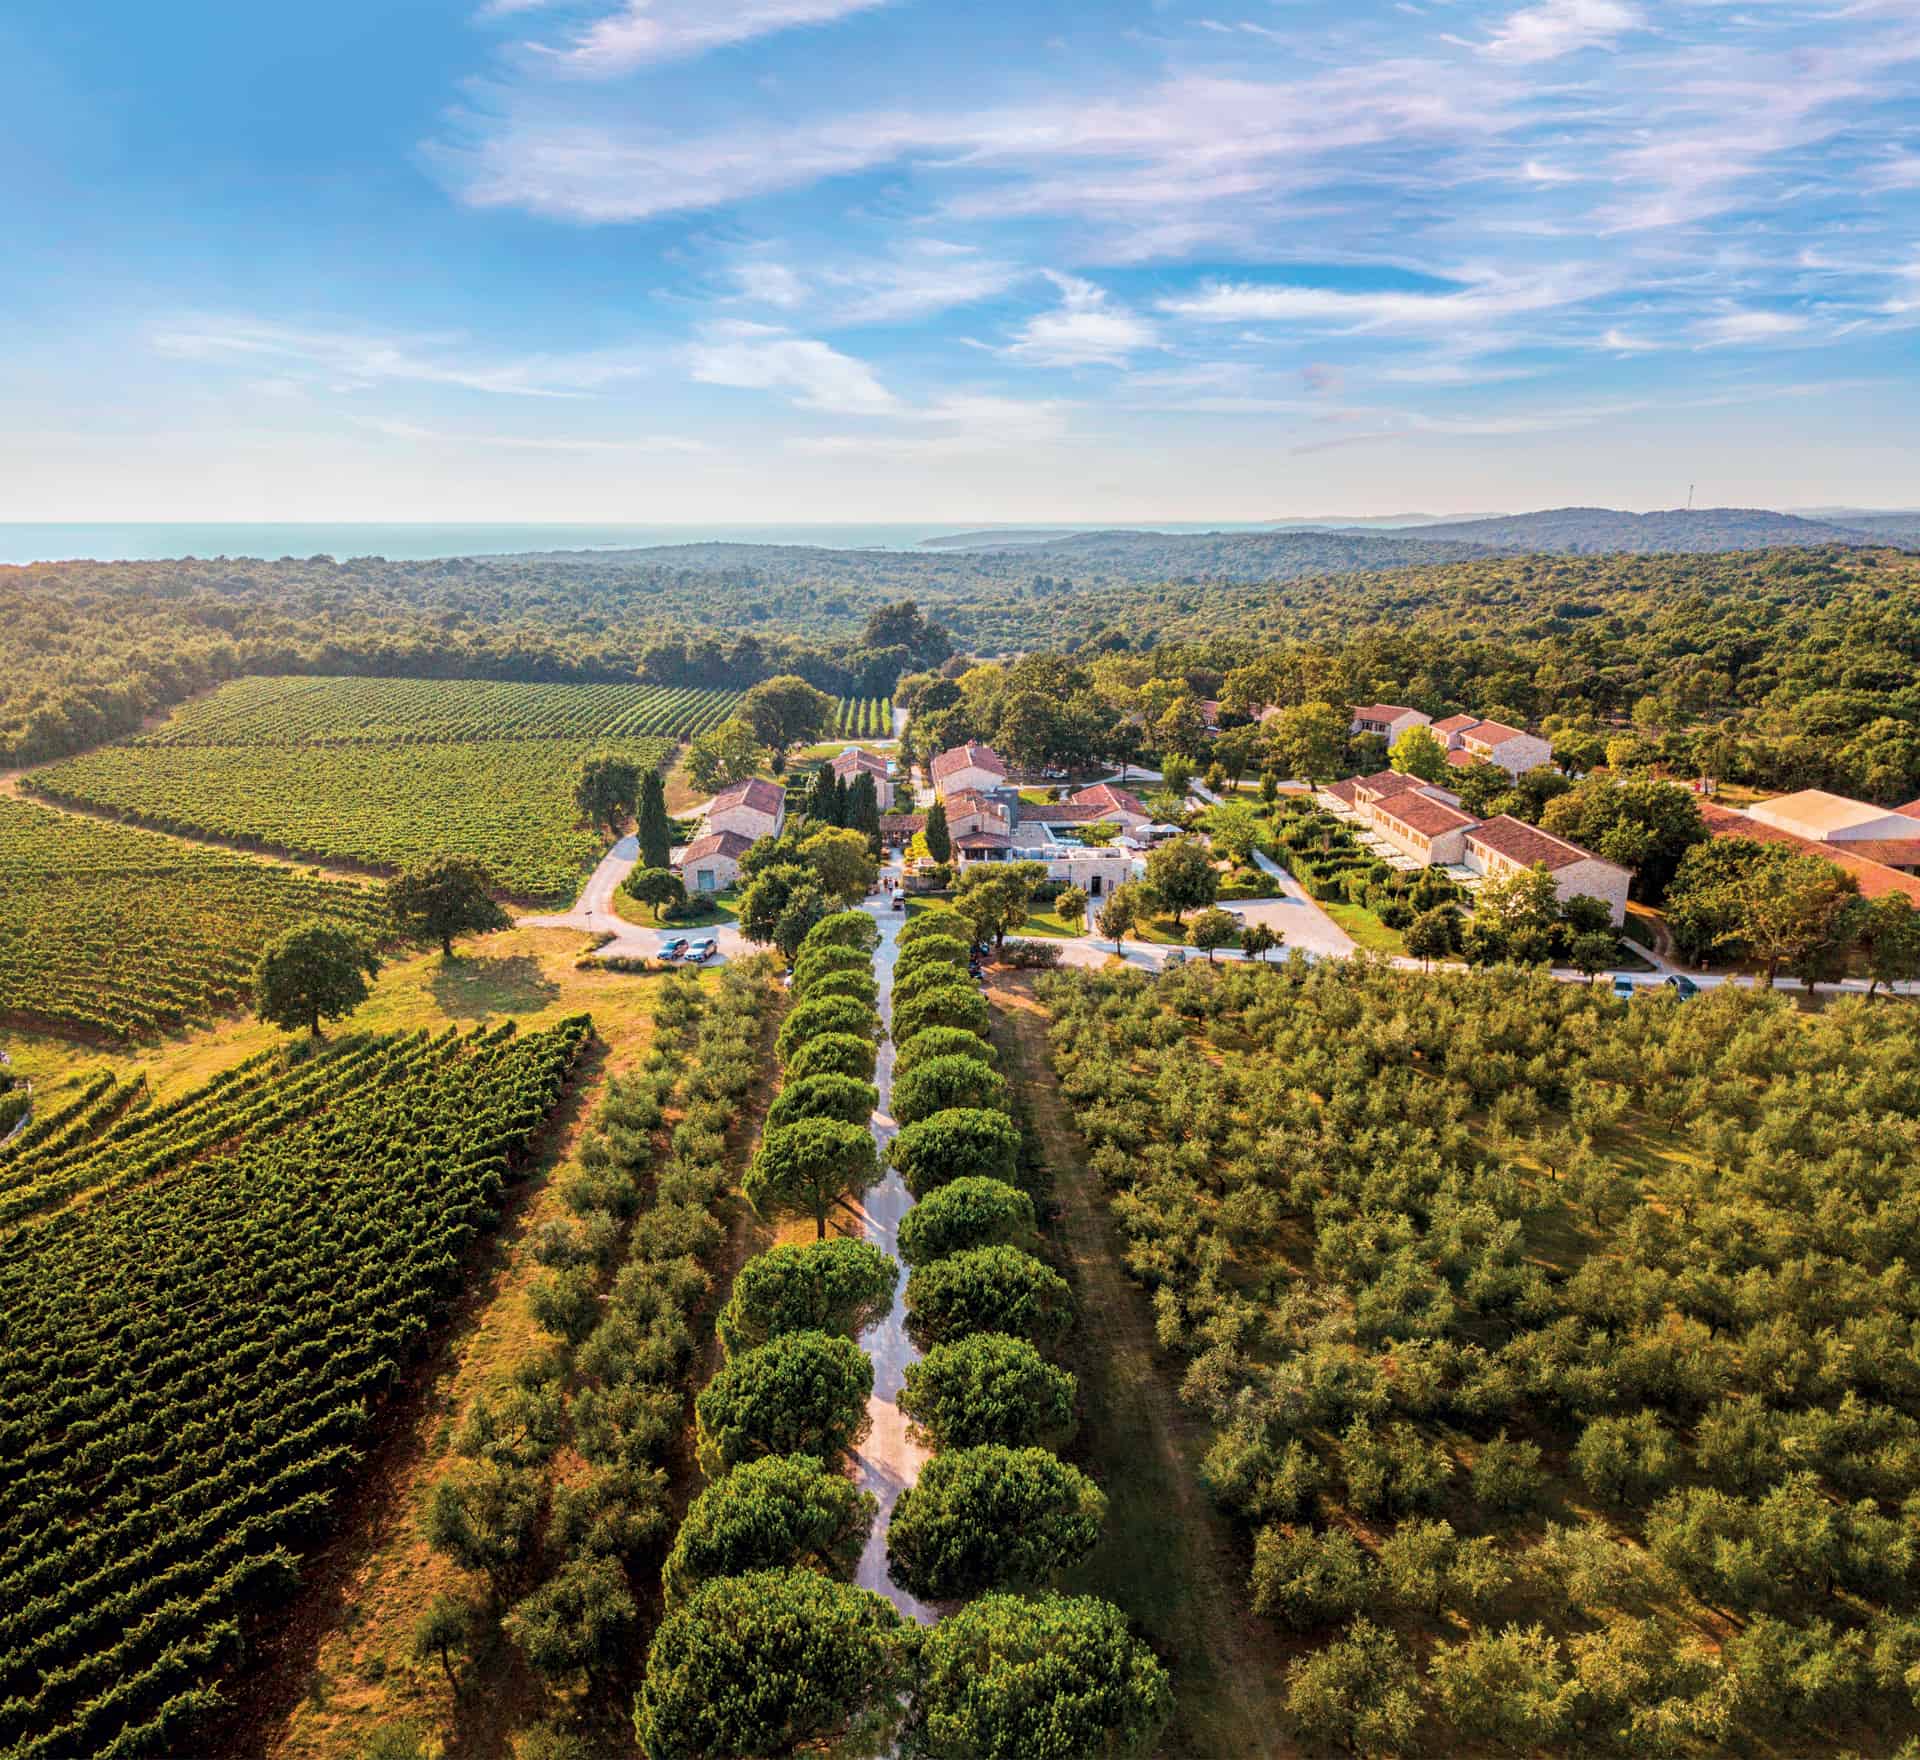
1245	556
991	540
1889	528
1595	531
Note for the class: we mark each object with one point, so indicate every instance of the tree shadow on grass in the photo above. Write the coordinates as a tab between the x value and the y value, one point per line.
470	987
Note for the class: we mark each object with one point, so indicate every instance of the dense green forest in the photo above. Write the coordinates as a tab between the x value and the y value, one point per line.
1808	648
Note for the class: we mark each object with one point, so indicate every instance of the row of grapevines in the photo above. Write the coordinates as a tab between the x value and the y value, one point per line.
410	711
118	932
191	1367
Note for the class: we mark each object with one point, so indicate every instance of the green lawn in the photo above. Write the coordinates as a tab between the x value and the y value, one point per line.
1050	923
714	908
1366	929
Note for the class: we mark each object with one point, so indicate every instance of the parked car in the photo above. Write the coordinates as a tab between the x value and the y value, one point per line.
672	947
1176	956
1625	988
703	949
1681	985
899	901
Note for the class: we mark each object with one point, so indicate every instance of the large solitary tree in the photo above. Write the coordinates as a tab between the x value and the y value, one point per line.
314	973
787	711
606	789
445	897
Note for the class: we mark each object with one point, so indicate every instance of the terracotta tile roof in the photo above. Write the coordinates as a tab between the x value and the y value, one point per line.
1421	812
716	843
1911	809
1343	791
971	800
1058	813
1876	879
1462	760
1382	712
756	793
1456	724
859	758
971	756
1528	844
1494	733
903	821
1383	784
983	840
1106	797
1895	852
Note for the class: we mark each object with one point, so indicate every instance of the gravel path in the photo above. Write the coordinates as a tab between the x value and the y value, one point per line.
889	1459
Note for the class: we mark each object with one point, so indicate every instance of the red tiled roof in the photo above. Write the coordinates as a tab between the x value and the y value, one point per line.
971	756
1382	712
1456	724
1895	852
1058	813
1105	796
1421	812
859	758
1494	733
1911	809
983	840
1343	791
971	800
1383	784
1528	844
1462	760
903	821
717	843
757	793
1876	879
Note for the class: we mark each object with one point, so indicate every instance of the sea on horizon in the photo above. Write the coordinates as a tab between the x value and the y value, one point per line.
130	541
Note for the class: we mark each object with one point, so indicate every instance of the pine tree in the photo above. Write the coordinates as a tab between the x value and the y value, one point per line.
840	802
656	841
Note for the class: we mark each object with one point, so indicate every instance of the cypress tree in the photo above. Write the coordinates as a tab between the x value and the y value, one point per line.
863	809
939	844
656	840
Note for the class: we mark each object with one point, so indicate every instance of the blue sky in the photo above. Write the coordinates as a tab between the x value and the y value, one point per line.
662	260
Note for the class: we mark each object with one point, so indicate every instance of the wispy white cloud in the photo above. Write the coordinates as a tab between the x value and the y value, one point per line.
951	426
635	443
1734	327
1488	300
814	375
644	32
769	283
1086	329
1560	27
355	360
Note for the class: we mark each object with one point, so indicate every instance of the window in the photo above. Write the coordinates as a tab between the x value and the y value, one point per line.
704	879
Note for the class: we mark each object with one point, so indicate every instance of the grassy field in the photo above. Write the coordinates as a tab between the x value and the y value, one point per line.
1366	929
1167	1557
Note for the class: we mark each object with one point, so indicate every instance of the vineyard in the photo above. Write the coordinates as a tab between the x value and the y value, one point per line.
1559	1354
506	804
117	932
866	718
424	711
192	1363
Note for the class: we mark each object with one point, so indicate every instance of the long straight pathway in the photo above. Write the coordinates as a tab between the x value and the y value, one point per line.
889	1460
